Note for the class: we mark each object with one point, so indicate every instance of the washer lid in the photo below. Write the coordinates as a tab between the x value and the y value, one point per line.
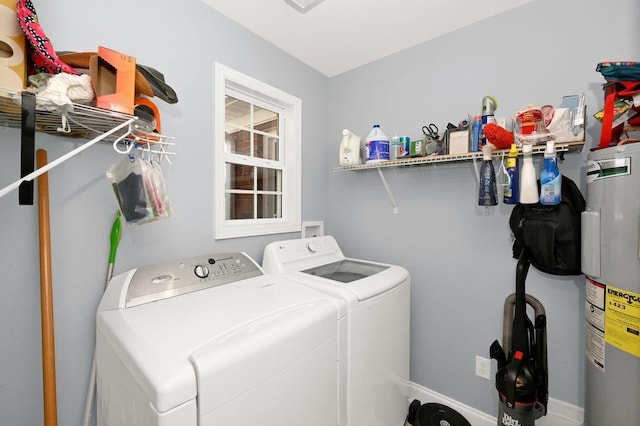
319	263
356	280
346	270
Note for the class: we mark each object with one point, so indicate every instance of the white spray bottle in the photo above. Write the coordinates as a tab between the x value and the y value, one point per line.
528	178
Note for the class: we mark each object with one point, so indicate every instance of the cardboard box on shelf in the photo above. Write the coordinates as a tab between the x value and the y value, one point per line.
114	76
458	142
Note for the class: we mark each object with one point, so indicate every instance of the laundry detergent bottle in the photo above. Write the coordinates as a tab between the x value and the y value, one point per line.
528	177
487	194
377	146
550	177
350	148
511	191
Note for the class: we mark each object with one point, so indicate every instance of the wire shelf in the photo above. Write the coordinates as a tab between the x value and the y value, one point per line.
454	158
77	121
81	122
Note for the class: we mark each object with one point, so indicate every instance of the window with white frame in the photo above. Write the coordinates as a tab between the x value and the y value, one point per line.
257	157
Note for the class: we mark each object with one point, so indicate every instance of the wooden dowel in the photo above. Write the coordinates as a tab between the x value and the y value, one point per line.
46	297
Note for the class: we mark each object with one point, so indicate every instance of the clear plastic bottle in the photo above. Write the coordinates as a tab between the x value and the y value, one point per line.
550	177
511	191
476	134
396	148
377	144
487	193
528	177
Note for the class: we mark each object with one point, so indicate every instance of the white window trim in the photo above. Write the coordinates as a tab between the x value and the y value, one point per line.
291	135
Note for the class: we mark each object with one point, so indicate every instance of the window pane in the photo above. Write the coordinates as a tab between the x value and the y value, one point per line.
240	177
239	206
269	206
238	142
266	147
236	112
269	179
265	120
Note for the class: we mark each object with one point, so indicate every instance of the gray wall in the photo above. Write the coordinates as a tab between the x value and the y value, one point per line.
183	39
459	258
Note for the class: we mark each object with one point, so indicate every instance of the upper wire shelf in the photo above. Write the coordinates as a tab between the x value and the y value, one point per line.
82	122
76	121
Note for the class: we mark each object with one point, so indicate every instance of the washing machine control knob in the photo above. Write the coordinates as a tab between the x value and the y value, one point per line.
312	247
201	271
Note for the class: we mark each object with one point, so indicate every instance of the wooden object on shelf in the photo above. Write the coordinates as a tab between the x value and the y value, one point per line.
13	54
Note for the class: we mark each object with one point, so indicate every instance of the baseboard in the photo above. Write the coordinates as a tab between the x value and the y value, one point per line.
559	412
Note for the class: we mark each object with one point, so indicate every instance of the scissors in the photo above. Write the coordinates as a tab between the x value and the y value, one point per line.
431	131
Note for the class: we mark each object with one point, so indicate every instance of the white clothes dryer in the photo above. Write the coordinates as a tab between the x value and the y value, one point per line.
374	349
212	340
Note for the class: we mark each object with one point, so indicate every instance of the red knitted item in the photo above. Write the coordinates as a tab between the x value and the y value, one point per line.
42	55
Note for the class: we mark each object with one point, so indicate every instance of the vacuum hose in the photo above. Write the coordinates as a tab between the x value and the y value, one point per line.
509	304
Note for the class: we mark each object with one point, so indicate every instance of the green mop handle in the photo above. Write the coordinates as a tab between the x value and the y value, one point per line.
116	233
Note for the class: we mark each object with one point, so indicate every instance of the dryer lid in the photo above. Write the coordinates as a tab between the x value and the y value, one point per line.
156	341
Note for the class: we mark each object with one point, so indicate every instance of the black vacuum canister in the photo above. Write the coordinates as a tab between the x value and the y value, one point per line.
434	414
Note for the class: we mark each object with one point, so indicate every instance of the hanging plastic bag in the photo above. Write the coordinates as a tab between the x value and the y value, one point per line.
158	191
128	177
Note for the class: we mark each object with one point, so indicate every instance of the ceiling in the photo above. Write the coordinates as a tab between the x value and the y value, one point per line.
338	35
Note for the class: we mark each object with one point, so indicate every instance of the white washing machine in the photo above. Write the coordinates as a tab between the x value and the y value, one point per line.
374	351
212	340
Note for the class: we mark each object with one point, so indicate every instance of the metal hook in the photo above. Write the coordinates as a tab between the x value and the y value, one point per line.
128	146
503	171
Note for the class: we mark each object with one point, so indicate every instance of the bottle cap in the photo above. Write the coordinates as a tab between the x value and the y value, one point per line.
489	105
550	150
513	152
527	148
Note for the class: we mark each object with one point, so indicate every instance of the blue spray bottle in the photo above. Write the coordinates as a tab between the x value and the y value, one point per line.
550	178
511	194
487	194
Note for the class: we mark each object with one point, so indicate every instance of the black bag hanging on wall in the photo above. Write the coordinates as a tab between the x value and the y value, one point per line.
551	234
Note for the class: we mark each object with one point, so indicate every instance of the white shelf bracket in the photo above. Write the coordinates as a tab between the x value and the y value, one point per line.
386	187
64	157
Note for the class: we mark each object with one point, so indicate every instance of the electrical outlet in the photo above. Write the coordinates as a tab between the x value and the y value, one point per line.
483	367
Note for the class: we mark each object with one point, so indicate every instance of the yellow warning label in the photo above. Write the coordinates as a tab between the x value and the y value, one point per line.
622	323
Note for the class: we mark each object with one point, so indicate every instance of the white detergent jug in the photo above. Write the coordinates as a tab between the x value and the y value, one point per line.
350	149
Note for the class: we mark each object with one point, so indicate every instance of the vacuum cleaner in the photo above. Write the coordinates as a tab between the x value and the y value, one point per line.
522	375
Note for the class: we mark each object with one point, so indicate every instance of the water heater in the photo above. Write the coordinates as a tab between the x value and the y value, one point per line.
611	264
